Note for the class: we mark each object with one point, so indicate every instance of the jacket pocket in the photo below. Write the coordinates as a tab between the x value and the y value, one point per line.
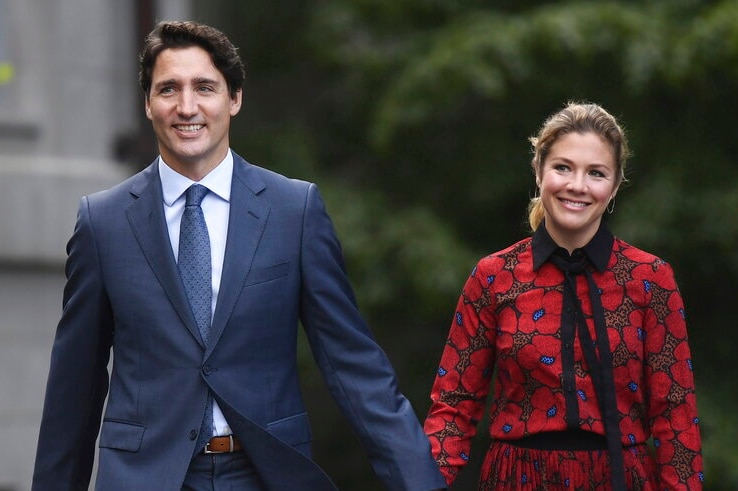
293	430
262	275
121	435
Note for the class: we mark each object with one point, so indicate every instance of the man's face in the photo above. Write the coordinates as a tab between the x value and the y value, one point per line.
190	108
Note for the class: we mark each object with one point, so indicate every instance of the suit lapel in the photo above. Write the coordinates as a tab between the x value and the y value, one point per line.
246	223
146	216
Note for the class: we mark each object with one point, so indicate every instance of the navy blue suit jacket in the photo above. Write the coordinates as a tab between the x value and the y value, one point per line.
283	264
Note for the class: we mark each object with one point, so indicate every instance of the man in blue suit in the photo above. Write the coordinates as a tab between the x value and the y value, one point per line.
209	402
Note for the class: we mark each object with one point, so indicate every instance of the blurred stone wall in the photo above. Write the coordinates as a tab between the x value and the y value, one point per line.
69	100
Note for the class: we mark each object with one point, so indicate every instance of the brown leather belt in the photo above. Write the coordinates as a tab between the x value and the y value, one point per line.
222	444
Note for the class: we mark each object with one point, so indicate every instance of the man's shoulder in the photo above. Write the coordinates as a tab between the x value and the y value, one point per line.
258	178
127	189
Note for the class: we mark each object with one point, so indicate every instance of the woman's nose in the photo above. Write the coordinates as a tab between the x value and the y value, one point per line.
577	182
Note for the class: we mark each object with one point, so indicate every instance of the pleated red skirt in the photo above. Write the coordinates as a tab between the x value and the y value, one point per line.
511	468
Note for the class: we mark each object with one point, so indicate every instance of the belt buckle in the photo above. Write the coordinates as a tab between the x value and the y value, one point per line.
230	444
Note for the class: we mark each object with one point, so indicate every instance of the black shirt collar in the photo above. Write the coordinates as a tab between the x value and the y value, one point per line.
597	250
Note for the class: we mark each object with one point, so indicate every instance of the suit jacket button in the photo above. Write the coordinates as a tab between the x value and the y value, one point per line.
193	434
207	370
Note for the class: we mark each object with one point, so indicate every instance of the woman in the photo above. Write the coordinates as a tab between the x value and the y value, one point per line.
584	333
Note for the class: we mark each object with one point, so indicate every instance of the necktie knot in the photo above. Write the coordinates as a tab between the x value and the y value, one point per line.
195	194
576	267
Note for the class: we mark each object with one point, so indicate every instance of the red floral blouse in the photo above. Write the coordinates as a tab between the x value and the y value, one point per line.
509	321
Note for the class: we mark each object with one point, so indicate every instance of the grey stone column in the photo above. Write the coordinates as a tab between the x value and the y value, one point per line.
68	93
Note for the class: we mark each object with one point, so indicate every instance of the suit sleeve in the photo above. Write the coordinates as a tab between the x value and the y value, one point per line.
358	373
78	379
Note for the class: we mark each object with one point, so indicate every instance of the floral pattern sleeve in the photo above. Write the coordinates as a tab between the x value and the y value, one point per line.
672	406
462	382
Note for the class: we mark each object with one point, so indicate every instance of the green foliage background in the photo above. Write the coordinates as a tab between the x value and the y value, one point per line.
413	117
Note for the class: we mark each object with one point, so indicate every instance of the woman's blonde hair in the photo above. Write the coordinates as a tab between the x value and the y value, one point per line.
576	117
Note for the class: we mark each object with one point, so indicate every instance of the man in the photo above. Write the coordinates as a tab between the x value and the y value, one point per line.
195	272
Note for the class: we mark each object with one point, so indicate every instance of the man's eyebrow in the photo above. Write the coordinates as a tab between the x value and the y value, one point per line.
195	81
164	83
205	80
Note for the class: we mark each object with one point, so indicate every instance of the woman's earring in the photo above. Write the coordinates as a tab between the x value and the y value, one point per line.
611	206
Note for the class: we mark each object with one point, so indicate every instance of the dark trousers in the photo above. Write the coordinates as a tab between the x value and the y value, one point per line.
221	472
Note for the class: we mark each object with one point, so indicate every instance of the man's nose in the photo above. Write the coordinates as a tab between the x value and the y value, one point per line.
187	104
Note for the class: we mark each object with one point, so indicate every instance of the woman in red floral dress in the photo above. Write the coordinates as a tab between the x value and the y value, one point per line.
585	336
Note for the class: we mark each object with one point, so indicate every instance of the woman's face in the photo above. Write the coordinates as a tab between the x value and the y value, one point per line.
577	181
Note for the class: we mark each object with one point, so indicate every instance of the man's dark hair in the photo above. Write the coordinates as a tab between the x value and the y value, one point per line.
185	34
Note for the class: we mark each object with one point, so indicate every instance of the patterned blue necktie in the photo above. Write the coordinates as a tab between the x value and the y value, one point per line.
195	269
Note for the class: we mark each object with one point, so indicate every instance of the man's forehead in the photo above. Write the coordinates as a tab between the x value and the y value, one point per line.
191	62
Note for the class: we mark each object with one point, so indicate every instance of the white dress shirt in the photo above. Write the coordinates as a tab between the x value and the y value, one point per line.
215	206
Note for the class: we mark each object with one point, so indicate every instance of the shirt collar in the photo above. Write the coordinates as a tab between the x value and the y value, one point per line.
218	180
597	250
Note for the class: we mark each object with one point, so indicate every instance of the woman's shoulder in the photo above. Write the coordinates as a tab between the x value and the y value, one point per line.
513	254
634	257
627	249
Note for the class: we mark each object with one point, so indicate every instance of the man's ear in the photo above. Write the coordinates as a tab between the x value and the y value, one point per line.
236	102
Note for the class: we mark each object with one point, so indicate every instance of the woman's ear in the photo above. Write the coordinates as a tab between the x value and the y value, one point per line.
614	192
